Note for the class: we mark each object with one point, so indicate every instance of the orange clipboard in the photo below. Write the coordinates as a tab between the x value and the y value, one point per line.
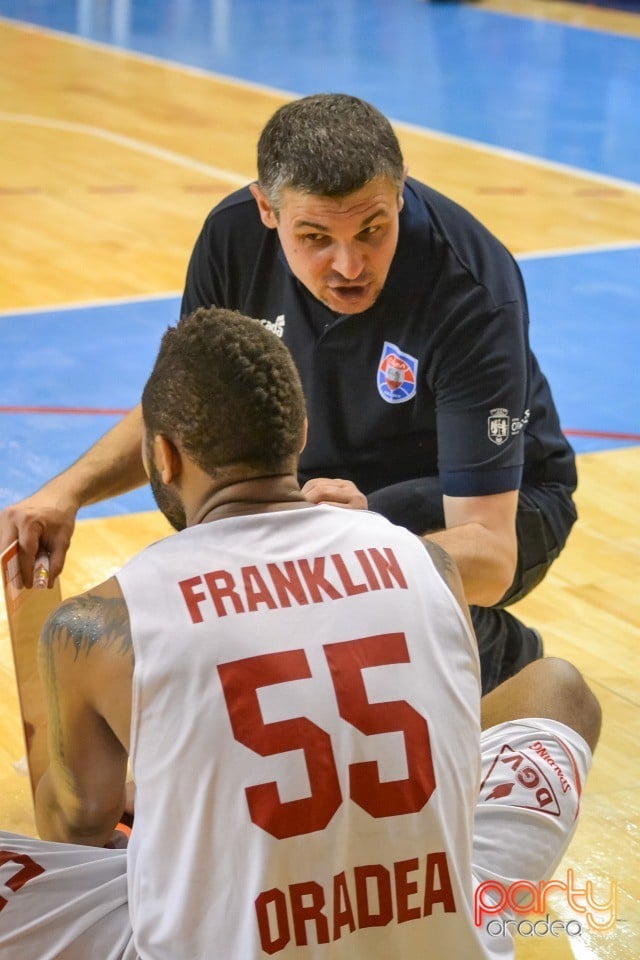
27	611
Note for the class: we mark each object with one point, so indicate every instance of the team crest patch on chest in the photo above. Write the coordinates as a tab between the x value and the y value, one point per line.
397	374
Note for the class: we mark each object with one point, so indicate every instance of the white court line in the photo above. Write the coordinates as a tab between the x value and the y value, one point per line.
233	178
147	58
591	28
555	165
220	173
576	251
177	294
503	152
88	304
130	143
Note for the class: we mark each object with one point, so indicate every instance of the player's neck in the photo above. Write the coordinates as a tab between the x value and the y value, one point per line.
245	497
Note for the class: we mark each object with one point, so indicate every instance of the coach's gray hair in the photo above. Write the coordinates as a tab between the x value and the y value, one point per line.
329	145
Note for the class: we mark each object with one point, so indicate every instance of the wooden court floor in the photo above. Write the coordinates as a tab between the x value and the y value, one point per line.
92	176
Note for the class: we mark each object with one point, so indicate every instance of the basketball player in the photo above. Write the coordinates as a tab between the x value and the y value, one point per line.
297	689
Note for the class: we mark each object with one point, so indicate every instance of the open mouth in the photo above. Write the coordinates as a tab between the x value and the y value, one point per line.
352	292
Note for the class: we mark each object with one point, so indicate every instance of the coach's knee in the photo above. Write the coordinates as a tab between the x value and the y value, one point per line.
568	697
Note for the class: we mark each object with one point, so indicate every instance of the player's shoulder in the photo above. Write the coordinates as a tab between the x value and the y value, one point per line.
448	570
98	616
422	550
442	561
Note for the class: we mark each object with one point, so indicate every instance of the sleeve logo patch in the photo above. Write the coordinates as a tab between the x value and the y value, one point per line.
498	426
397	374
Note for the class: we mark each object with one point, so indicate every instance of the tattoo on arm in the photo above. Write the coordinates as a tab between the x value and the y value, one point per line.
80	624
446	567
81	628
87	621
443	564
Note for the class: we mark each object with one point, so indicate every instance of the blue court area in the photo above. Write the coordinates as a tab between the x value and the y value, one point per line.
80	359
584	330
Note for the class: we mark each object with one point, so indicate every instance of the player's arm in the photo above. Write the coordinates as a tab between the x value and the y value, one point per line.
448	570
86	662
480	535
46	519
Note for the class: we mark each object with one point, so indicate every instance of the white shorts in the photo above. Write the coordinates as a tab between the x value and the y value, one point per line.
65	902
61	901
533	773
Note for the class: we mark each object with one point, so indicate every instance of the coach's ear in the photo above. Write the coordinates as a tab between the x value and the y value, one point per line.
167	458
305	434
267	213
405	174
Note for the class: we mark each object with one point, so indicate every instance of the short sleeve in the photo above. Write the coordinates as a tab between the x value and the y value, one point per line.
481	388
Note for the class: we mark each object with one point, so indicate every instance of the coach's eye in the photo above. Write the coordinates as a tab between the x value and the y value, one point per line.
315	237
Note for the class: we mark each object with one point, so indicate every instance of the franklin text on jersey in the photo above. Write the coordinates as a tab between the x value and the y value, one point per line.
274	586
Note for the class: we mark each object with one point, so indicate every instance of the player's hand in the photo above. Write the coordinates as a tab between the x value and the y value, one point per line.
340	493
44	521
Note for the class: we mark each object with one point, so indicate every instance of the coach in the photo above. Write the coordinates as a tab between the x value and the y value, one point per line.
408	323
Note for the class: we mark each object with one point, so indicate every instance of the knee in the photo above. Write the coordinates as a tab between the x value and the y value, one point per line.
569	697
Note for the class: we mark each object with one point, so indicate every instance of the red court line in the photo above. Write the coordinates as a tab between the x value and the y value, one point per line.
92	411
603	435
120	411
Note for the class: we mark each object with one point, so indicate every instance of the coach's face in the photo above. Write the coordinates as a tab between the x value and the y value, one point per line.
340	248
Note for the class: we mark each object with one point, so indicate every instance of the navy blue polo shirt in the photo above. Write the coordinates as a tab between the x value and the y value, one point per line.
437	377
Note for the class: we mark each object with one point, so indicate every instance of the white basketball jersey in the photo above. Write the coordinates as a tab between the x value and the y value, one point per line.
305	744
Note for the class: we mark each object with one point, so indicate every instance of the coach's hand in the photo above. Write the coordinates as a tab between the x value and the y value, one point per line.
44	521
340	493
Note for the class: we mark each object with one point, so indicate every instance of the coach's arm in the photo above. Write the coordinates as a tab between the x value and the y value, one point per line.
480	534
45	520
